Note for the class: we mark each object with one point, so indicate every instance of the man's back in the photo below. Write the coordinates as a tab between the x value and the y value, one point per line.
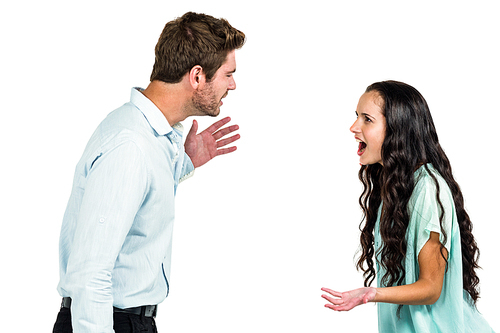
115	243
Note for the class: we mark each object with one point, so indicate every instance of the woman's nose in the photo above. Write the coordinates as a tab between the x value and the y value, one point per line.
354	128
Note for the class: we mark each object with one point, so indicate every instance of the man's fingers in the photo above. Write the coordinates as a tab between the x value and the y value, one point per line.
225	142
194	128
225	131
225	150
215	126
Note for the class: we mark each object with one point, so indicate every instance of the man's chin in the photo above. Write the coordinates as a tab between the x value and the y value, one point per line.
210	113
214	113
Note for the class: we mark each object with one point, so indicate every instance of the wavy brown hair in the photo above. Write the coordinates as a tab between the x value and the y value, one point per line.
410	141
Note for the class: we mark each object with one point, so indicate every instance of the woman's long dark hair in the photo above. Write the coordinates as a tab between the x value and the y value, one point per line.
410	141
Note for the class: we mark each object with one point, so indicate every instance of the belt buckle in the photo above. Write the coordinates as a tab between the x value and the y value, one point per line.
66	302
150	311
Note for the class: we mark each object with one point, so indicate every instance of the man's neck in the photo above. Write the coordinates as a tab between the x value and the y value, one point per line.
171	98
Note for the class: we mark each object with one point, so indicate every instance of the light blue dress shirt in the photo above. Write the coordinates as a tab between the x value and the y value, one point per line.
453	311
116	236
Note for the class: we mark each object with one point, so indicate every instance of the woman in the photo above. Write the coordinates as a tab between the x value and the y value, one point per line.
416	235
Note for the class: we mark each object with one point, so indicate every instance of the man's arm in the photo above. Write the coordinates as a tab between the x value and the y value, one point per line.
115	188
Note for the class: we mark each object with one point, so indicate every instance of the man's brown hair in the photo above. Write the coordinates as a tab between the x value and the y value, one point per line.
190	40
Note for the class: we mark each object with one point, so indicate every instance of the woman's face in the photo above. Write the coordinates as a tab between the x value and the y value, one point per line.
369	128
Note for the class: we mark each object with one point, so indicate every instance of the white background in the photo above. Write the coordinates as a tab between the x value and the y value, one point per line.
260	231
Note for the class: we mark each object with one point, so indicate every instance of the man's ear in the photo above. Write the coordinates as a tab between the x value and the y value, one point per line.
196	76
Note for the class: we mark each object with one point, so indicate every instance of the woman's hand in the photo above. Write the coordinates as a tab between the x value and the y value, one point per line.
349	299
426	290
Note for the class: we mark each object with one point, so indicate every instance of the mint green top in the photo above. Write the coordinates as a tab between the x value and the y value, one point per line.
452	312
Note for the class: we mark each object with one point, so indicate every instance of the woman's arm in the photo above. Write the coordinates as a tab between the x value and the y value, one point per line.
426	290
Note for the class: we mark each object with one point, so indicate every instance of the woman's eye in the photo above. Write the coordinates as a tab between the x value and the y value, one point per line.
368	120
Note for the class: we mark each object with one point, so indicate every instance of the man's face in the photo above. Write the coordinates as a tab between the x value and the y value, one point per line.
207	100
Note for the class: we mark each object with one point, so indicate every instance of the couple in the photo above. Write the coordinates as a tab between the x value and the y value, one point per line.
115	242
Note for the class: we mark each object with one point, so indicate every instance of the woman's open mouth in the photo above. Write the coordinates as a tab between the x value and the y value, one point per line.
361	147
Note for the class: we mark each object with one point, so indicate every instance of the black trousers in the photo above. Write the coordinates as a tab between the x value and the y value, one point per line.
122	323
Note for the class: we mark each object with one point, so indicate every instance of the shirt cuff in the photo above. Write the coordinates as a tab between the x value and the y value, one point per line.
187	170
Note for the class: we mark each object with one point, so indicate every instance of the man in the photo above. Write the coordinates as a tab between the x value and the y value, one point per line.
115	243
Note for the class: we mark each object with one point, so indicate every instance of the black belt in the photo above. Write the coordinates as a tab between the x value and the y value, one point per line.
148	310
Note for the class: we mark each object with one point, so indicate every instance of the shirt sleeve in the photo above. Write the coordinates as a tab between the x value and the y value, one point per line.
115	187
426	214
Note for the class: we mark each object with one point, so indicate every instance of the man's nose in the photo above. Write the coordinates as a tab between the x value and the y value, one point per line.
232	84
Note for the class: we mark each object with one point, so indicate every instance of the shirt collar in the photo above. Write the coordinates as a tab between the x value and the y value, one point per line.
153	115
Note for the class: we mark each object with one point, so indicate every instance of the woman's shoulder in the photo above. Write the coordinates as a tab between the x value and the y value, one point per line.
426	179
427	182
